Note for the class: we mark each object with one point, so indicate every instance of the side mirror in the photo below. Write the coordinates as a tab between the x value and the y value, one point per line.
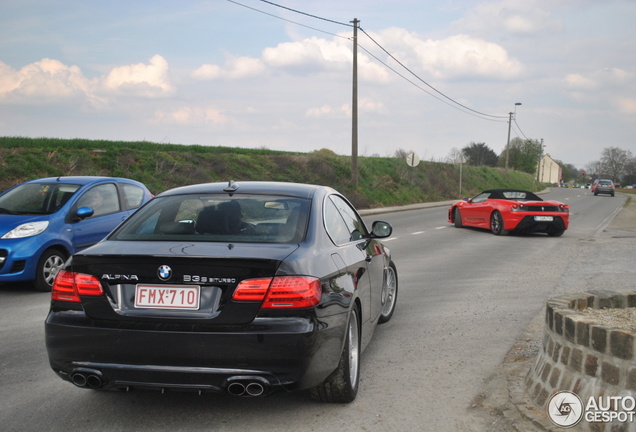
83	213
381	229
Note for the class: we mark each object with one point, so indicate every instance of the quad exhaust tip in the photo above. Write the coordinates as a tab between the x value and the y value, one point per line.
247	386
87	378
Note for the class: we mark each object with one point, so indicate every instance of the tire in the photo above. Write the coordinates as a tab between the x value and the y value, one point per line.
556	233
342	385
49	264
389	294
457	218
497	223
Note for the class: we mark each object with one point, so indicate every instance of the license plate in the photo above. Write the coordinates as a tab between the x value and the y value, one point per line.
167	296
544	218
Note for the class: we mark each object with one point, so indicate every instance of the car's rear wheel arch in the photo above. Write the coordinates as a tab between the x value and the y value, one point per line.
497	223
342	385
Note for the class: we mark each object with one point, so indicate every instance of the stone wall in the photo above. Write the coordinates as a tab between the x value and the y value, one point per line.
584	357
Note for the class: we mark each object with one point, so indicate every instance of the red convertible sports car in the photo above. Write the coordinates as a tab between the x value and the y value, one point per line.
506	210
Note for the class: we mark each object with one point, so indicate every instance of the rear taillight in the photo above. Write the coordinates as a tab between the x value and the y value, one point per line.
69	286
280	292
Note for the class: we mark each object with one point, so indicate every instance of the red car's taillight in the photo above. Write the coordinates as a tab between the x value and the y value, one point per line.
69	286
280	292
518	207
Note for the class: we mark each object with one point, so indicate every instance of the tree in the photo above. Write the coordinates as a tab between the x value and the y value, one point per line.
454	156
568	171
523	154
614	162
478	154
594	169
630	172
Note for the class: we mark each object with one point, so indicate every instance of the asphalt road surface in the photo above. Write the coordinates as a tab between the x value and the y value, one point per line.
465	296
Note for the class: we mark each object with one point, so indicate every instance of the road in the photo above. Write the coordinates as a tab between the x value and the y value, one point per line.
465	297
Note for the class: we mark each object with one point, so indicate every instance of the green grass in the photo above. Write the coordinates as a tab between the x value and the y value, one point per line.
381	181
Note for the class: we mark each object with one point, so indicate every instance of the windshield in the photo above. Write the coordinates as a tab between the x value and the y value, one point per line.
37	198
218	218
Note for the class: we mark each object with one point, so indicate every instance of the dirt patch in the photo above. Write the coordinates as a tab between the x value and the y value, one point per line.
625	220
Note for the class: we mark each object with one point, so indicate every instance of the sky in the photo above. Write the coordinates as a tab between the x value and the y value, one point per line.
432	76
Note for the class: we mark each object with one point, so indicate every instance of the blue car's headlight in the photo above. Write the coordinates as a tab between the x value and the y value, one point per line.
26	230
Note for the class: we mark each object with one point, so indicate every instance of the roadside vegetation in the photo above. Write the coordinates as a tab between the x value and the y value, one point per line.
382	181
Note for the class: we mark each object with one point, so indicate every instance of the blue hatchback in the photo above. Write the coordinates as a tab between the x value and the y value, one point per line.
44	221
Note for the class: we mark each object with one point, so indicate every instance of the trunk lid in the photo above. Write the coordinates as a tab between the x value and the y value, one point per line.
205	272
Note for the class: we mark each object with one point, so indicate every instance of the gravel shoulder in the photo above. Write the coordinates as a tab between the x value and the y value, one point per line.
502	405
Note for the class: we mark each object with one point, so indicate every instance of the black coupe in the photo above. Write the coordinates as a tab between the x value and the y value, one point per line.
242	288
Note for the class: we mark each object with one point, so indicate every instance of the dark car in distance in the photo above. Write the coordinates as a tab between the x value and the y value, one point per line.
603	186
511	210
244	288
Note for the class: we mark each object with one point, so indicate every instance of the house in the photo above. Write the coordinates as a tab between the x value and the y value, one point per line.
549	171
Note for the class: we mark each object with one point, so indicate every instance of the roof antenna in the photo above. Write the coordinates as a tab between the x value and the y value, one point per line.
231	187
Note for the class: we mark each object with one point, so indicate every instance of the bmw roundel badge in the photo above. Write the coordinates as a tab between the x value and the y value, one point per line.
164	272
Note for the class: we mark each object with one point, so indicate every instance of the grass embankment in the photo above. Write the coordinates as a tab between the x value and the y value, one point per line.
381	181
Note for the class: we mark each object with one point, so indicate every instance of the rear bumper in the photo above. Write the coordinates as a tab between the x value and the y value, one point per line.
291	353
529	224
608	191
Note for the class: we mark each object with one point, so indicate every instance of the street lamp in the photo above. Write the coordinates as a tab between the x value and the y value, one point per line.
509	125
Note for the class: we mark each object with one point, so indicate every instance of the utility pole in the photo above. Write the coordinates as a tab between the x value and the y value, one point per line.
509	126
508	142
354	108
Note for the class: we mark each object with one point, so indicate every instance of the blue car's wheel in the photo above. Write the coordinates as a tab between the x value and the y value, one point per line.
49	265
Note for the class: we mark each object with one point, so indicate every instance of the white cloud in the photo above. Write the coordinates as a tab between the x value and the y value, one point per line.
364	105
454	57
606	86
145	80
318	112
626	105
42	81
192	116
579	82
511	16
234	68
308	55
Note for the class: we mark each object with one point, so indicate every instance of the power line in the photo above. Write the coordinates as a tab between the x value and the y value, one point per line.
420	79
464	108
520	131
284	19
420	87
306	14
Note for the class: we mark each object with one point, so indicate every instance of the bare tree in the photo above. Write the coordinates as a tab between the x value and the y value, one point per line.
614	162
454	156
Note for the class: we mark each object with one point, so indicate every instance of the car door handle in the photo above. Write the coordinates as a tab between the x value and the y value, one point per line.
368	258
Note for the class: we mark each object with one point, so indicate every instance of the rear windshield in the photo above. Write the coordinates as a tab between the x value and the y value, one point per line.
37	198
218	218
